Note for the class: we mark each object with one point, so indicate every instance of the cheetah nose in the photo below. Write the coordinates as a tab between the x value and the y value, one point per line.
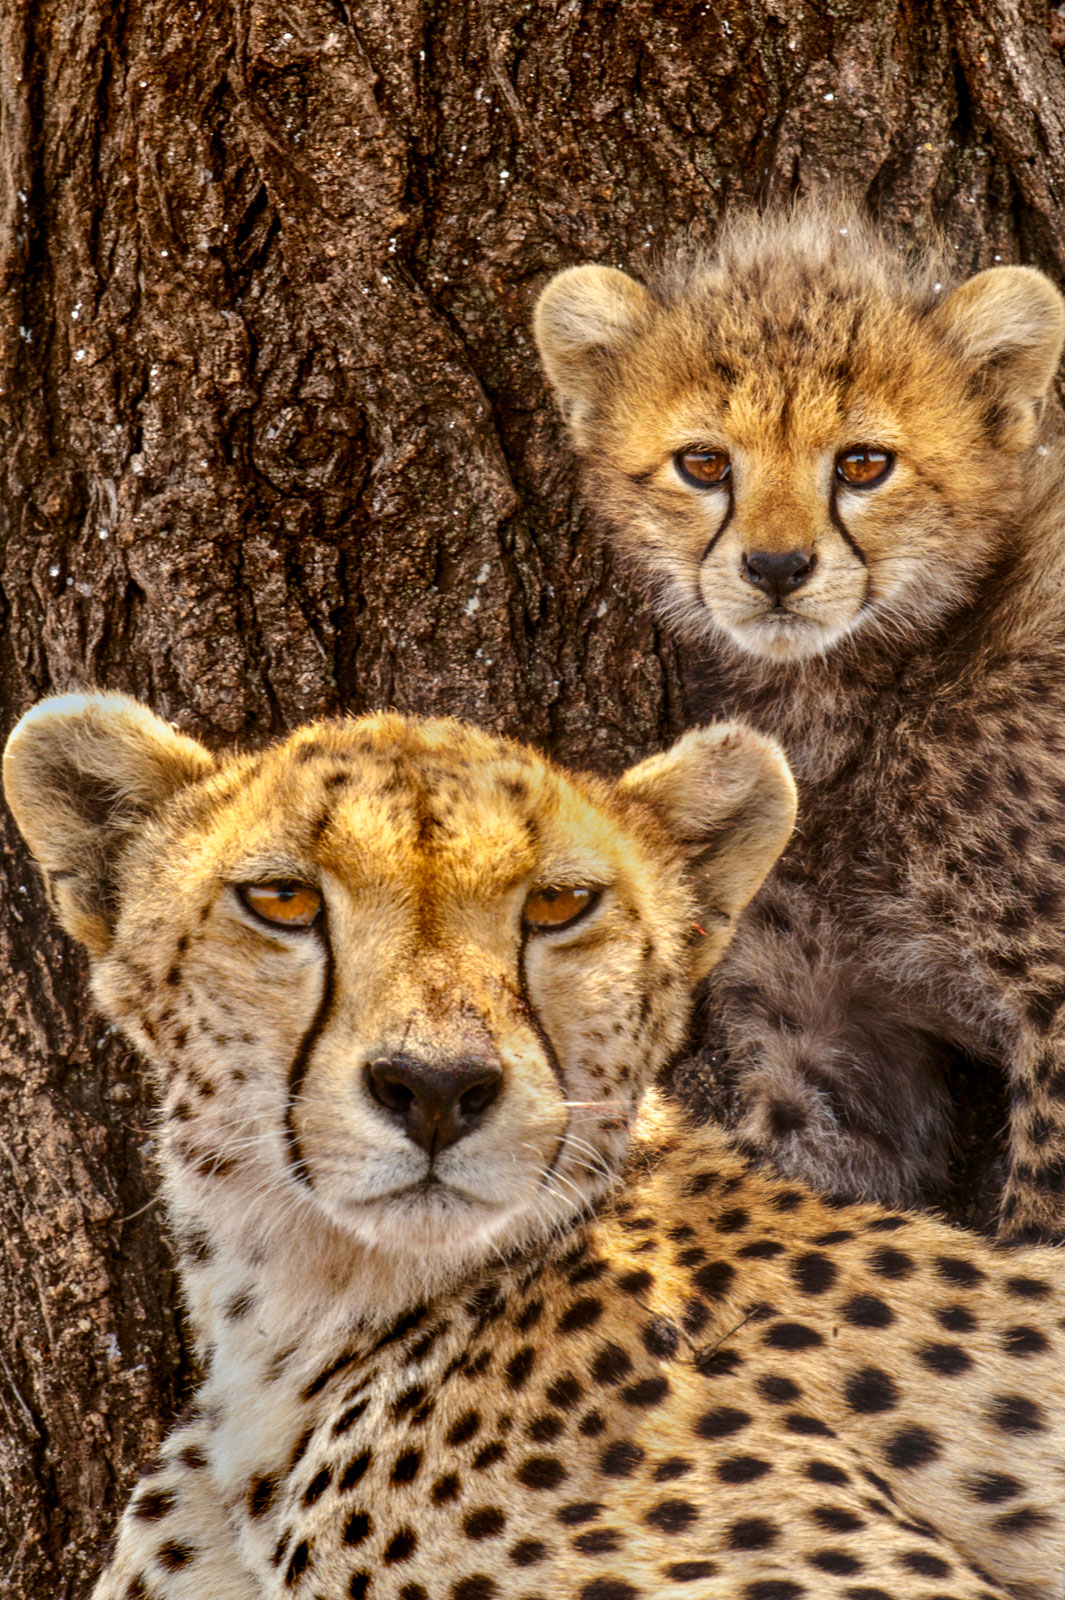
435	1105
778	573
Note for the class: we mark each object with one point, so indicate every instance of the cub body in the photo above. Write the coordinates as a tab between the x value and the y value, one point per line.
481	1315
840	477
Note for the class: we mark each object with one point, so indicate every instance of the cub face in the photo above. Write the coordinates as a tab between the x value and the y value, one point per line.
804	437
396	978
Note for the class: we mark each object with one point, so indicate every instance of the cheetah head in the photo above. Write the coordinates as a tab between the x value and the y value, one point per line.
804	436
398	980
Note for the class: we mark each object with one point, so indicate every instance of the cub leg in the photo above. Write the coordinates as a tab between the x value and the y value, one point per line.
1033	1202
833	1088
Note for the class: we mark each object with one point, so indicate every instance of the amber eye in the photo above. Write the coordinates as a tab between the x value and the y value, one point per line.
550	909
288	905
703	468
863	465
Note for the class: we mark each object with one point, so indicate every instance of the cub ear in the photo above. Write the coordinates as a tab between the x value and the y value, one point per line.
81	772
1010	322
581	317
727	798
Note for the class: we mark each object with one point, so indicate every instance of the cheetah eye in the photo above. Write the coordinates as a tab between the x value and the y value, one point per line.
548	910
704	469
286	905
863	465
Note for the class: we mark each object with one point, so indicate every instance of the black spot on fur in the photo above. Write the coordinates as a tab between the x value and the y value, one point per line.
354	1471
153	1505
405	1466
298	1563
476	1587
565	1392
870	1390
867	1311
888	1263
777	1389
598	1541
611	1364
791	1336
1016	1413
400	1548
752	1533
357	1528
721	1421
173	1556
317	1486
949	1360
541	1472
742	1469
527	1552
956	1319
660	1338
814	1273
672	1516
620	1459
913	1446
581	1314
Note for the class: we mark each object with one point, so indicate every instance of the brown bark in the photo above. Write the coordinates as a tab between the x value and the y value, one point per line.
275	444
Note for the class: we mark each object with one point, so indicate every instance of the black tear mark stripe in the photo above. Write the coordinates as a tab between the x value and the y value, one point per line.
843	531
549	1050
726	519
298	1069
534	1016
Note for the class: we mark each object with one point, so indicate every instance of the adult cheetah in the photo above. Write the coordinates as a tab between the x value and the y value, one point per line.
842	477
481	1315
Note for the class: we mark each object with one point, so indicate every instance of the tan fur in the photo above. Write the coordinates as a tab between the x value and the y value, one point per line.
603	1359
915	672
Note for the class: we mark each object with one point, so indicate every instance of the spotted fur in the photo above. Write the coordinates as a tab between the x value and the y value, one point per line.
911	661
658	1373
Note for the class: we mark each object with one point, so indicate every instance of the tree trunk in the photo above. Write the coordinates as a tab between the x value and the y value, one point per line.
276	446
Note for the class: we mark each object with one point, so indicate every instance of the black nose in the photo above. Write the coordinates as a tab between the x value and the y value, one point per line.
435	1104
778	573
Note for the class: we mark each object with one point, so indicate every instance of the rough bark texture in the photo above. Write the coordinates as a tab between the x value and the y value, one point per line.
275	444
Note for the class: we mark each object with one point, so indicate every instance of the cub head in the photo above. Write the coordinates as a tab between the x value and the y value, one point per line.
397	979
804	436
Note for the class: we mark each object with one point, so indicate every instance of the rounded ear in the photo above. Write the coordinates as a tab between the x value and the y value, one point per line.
80	773
581	315
726	797
1009	323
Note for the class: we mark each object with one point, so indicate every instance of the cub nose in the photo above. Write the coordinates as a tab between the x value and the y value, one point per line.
435	1104
778	573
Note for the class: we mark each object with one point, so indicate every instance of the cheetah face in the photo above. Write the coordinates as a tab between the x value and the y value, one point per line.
800	441
396	978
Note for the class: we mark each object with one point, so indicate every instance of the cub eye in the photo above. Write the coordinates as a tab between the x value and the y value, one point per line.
288	905
551	909
863	465
703	468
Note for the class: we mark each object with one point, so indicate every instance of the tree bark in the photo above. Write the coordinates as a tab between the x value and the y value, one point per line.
276	446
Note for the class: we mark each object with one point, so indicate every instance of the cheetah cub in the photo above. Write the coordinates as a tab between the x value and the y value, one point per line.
481	1315
839	475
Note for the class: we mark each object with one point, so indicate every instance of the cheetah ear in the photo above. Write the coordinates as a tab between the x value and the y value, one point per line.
81	772
1010	324
727	798
581	317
